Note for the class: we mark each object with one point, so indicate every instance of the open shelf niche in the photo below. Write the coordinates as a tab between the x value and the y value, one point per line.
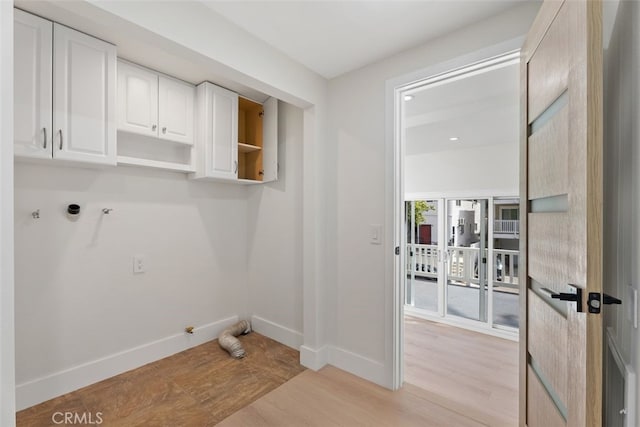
250	116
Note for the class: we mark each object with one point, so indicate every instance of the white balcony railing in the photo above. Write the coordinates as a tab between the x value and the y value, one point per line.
463	264
506	226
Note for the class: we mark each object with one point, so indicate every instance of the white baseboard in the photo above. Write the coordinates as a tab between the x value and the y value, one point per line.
313	359
363	367
277	332
41	389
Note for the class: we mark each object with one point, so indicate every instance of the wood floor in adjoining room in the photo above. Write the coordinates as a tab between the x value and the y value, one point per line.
461	378
463	370
198	387
331	397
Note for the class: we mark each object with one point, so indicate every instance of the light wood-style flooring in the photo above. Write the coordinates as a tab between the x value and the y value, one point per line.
198	387
455	378
463	370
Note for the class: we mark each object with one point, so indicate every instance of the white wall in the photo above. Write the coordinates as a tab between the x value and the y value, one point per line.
77	299
622	176
359	289
492	168
274	233
7	356
236	56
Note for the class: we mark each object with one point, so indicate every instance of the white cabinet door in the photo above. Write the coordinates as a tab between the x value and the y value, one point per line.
84	95
176	108
270	140
217	139
137	100
32	85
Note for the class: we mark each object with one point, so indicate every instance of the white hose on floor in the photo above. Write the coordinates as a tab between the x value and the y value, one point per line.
228	341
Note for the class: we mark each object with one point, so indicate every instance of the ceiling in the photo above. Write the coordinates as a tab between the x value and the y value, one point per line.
480	110
335	37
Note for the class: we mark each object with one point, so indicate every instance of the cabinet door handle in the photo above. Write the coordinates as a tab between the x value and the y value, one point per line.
164	130
235	167
44	145
60	133
154	127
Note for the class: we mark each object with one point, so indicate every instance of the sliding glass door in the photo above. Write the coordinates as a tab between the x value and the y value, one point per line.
466	256
423	256
462	260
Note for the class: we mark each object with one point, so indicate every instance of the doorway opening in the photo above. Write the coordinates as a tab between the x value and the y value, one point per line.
458	135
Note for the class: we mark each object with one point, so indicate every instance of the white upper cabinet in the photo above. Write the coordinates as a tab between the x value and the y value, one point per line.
237	139
84	97
175	110
217	136
154	105
76	74
270	140
137	100
33	59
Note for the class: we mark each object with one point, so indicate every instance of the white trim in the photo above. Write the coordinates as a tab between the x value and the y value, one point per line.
490	255
394	197
480	194
313	359
363	367
468	324
277	332
629	375
7	322
40	389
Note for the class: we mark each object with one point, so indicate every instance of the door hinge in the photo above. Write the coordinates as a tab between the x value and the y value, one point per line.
397	251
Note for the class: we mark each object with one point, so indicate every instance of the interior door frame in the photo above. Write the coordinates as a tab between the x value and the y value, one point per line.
394	191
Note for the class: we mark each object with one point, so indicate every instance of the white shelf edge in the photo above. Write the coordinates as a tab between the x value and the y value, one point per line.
157	164
157	138
247	148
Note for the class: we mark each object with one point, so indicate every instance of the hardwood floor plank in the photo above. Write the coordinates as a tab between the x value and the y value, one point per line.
463	370
331	397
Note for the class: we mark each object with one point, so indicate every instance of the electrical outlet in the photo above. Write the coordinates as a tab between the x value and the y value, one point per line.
139	264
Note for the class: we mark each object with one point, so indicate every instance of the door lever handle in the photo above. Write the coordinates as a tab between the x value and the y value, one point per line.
566	296
608	299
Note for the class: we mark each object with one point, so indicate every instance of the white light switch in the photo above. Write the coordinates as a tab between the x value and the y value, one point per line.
375	234
139	265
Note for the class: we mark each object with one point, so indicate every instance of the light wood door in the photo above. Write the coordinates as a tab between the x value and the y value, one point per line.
137	100
176	109
33	58
84	96
561	210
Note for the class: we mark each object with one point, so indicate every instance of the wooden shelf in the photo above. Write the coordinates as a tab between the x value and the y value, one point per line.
247	148
156	164
248	182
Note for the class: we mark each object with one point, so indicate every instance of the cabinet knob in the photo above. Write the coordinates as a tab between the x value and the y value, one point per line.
164	130
61	140
45	138
154	127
